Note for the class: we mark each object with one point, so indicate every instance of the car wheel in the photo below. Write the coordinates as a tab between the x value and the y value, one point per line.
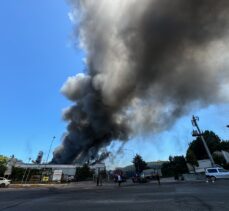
213	179
2	185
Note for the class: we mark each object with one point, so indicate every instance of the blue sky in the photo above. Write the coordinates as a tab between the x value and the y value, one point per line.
36	57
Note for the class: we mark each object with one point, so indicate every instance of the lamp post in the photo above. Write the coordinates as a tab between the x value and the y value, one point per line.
50	149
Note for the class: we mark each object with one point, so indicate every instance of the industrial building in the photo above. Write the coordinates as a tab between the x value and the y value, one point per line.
48	171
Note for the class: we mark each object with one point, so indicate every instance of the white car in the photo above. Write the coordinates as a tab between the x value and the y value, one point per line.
4	182
216	173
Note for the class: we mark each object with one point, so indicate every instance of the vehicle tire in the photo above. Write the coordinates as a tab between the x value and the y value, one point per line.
213	179
2	185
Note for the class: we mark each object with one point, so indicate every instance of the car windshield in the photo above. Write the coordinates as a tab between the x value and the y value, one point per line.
222	170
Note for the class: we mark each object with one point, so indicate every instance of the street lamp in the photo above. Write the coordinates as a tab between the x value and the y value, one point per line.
50	149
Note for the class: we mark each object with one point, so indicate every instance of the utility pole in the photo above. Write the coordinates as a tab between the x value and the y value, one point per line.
50	149
27	177
25	172
199	133
44	169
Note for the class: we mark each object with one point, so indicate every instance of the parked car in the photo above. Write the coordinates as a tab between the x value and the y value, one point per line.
70	179
216	173
4	182
150	174
138	179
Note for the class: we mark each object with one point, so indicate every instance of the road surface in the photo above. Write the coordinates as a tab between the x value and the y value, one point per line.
173	196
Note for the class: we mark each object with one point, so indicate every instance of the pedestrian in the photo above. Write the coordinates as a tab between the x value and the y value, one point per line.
97	180
158	179
119	180
100	179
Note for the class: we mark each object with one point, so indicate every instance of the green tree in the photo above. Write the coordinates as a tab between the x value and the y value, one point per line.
3	163
175	167
197	151
224	145
167	169
139	164
191	159
83	173
219	159
180	166
17	173
197	147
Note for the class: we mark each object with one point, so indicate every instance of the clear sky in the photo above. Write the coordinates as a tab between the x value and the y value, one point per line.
36	57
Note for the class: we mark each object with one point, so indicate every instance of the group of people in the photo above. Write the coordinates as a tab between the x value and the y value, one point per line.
117	178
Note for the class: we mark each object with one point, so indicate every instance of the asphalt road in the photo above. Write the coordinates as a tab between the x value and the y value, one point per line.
181	196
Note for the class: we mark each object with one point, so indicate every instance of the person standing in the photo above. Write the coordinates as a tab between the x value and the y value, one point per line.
158	179
100	179
98	176
97	180
119	180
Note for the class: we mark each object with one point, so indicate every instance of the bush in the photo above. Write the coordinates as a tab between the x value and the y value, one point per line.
84	173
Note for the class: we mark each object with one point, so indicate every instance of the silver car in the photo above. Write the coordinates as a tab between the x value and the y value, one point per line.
216	173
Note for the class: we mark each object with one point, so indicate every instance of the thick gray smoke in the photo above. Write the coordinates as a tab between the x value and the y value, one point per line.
147	62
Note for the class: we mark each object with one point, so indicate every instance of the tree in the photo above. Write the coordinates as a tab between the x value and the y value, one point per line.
219	159
17	173
3	163
197	147
196	150
224	145
167	169
175	167
191	159
139	164
83	173
180	166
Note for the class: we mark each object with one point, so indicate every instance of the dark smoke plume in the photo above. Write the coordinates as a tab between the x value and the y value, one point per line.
148	61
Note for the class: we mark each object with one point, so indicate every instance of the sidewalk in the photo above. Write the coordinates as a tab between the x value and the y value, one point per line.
92	184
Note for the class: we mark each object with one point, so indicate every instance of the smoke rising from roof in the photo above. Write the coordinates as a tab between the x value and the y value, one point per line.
147	62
